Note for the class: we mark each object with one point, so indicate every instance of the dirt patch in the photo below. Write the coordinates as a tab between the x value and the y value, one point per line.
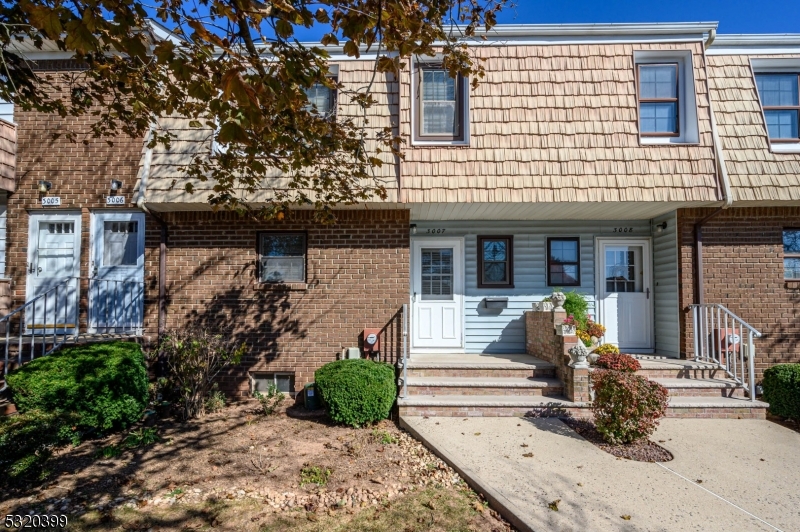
641	451
265	468
792	424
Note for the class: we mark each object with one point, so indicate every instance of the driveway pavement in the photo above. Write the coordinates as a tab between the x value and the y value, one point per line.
727	474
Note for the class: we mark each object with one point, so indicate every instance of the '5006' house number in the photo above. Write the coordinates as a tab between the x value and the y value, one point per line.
115	200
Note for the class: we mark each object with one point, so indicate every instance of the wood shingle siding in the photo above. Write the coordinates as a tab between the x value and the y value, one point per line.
559	124
756	173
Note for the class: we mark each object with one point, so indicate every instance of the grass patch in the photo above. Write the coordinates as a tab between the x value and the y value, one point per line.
311	474
384	437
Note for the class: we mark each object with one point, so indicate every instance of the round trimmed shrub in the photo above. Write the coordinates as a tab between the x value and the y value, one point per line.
782	390
356	391
103	384
618	362
626	406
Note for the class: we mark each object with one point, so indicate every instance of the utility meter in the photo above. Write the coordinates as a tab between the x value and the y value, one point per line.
372	341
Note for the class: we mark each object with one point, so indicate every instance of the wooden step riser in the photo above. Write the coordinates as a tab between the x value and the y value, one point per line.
683	373
552	391
706	392
460	411
482	372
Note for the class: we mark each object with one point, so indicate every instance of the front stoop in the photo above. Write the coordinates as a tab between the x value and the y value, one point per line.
520	385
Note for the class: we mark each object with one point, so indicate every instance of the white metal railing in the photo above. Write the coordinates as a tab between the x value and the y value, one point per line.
719	339
45	322
405	349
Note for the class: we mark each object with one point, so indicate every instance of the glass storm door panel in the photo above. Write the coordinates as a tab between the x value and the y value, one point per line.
116	290
53	268
437	292
625	293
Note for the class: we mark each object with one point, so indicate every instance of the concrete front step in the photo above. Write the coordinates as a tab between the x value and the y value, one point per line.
534	386
679	369
476	366
701	387
499	406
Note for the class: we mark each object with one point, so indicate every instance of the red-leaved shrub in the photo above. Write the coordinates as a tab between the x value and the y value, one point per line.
626	406
618	362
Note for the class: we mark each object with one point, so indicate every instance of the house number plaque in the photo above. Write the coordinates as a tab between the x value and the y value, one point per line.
115	200
51	201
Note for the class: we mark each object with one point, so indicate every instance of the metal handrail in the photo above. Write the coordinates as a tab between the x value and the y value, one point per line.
718	334
405	349
48	333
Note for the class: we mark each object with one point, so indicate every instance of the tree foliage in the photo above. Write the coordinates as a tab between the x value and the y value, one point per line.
235	68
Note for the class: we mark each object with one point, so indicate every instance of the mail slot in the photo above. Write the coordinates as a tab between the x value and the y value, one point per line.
495	302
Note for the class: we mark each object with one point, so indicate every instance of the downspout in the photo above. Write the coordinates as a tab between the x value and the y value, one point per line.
141	202
722	172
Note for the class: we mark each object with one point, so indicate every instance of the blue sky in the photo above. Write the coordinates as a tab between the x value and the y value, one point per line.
734	16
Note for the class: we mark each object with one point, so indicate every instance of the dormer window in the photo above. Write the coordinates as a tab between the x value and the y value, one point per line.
321	99
665	97
659	103
439	105
780	99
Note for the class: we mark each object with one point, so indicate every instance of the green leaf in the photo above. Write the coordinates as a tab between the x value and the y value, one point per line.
351	49
284	29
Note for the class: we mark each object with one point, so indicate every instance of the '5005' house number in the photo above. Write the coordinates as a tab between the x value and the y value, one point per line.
51	201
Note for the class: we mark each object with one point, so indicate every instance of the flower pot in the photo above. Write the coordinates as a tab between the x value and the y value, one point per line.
544	306
578	356
593	357
565	330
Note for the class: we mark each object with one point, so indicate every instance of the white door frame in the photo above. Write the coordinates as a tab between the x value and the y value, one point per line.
34	218
647	281
96	237
458	287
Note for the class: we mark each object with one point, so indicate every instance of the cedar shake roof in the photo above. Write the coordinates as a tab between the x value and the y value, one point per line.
553	123
756	173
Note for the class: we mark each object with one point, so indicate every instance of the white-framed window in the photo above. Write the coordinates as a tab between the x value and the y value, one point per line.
665	97
282	257
321	99
440	106
779	93
260	382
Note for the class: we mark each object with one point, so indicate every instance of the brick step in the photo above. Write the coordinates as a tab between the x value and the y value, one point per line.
539	386
716	407
476	366
488	406
701	387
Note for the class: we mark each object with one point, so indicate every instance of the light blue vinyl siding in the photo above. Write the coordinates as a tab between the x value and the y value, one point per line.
503	331
665	286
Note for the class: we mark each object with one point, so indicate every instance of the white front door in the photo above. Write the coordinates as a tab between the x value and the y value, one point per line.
54	251
625	295
116	285
437	291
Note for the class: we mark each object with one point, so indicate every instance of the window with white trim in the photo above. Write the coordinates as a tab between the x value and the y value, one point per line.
321	99
282	257
791	254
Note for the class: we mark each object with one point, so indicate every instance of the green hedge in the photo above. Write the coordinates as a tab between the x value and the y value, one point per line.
104	385
356	391
782	390
27	440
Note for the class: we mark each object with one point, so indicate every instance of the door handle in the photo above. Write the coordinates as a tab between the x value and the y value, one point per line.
414	297
30	267
39	269
648	293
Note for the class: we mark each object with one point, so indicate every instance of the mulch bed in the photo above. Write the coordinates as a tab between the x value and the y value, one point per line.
640	451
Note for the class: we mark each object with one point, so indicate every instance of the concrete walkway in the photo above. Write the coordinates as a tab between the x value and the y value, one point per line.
596	489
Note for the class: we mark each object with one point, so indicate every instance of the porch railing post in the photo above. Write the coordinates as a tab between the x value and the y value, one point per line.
405	350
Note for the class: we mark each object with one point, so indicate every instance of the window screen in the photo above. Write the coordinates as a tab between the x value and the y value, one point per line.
658	99
780	97
791	254
120	242
283	257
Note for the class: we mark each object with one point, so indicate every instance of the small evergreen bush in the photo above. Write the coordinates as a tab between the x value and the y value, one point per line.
782	390
618	362
271	400
577	306
356	391
626	406
103	384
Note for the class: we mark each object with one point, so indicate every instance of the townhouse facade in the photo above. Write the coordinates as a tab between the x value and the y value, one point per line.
650	167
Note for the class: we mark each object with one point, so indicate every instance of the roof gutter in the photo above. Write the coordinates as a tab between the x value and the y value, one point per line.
725	187
141	202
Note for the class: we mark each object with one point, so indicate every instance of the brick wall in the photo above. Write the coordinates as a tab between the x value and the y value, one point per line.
80	174
357	273
743	270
